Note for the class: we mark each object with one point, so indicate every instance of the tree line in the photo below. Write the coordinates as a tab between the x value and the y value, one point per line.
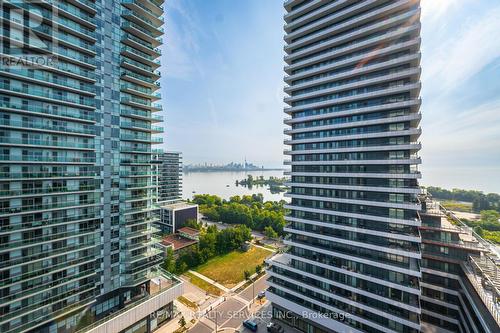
480	201
248	210
213	242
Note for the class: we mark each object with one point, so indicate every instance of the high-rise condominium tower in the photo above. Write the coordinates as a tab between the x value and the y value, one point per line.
352	79
78	82
169	176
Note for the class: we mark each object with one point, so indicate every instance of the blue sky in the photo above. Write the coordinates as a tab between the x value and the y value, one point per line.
222	86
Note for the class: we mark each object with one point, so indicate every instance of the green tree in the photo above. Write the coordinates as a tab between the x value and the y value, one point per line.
270	233
193	223
169	263
182	322
258	269
247	275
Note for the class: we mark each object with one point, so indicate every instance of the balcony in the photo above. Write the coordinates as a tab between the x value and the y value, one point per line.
47	158
142	115
148	27
140	102
44	78
163	289
142	127
141	33
140	56
84	130
46	206
144	80
32	91
151	13
48	175
47	143
73	13
45	191
60	20
63	112
140	91
140	68
142	45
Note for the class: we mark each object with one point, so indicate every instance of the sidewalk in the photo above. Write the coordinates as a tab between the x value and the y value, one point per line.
173	324
218	285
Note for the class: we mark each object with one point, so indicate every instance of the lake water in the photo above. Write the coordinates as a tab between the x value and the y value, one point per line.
223	184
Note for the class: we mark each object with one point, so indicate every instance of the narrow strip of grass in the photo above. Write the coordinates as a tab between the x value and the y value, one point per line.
204	285
188	303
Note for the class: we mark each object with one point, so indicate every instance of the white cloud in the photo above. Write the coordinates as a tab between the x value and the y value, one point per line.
434	9
472	44
469	132
180	42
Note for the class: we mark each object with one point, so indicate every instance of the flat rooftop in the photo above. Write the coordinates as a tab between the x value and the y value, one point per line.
178	242
189	231
177	205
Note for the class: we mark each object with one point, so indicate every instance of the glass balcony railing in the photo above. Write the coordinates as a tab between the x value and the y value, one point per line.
47	222
137	100
48	238
134	185
59	111
46	158
153	27
138	27
36	272
167	282
44	76
35	91
47	143
88	4
142	55
137	88
129	149
135	137
133	173
141	78
137	64
47	126
54	205
141	113
157	140
58	19
73	11
85	243
65	291
63	174
144	8
135	161
4	193
53	283
148	127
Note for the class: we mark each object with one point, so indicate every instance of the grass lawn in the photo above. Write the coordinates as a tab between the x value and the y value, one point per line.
187	303
204	285
457	206
228	269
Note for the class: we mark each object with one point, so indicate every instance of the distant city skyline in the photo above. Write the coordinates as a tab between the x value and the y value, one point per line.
225	87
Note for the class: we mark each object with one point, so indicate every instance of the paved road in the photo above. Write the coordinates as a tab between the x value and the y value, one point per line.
262	318
260	285
200	328
225	311
232	312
